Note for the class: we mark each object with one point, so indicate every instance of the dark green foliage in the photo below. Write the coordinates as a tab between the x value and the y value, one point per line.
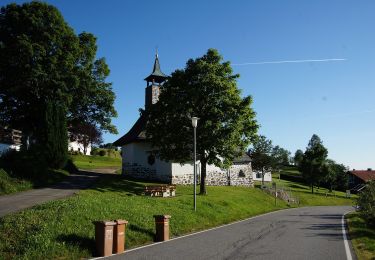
298	157
366	203
38	52
102	152
31	166
8	184
205	88
70	166
312	165
42	60
261	156
280	157
335	176
55	145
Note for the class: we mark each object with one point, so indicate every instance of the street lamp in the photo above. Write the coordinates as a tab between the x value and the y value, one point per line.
194	122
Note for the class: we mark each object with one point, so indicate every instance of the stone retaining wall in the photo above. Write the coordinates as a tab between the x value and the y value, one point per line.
236	175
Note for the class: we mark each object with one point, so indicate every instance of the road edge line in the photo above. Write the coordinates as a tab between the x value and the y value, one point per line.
196	233
345	237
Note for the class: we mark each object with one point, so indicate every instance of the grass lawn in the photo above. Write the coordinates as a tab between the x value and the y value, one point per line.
321	196
362	236
96	161
64	228
10	184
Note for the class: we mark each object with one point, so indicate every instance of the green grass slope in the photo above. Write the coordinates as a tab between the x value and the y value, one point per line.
10	185
96	162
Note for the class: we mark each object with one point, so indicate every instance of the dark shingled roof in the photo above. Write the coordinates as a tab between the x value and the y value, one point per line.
243	159
156	74
135	134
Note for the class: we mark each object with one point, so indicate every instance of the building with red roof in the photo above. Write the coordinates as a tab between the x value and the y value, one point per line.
357	177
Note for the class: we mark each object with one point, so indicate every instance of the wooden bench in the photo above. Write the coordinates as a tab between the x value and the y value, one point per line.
160	190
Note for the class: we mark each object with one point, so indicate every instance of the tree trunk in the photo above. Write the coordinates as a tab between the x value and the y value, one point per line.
312	188
203	190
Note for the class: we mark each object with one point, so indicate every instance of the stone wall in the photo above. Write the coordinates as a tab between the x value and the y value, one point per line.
236	175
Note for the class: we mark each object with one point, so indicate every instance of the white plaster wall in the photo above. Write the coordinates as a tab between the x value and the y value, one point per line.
75	146
137	153
267	176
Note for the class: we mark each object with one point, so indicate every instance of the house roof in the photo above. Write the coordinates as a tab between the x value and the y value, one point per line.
156	73
135	134
365	175
244	158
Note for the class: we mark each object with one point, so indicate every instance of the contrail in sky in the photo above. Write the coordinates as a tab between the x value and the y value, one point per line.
287	61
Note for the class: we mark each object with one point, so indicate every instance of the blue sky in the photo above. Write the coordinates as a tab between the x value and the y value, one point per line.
293	101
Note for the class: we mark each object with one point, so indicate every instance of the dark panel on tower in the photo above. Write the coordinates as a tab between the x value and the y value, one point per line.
154	80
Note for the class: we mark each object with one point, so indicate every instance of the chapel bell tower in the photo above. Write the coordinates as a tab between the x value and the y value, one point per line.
154	81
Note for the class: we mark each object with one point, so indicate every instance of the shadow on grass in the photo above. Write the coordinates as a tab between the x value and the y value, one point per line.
139	229
120	183
82	242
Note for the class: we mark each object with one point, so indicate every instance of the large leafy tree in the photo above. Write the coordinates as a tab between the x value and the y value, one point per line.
42	60
280	156
206	88
313	163
335	175
262	159
86	135
298	157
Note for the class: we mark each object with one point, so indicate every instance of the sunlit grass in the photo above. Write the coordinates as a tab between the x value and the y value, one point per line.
64	228
95	161
362	236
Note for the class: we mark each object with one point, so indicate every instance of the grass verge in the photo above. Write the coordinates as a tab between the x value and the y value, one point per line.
95	162
11	184
321	196
362	236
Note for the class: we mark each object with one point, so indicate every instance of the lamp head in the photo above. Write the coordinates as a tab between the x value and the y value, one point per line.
194	121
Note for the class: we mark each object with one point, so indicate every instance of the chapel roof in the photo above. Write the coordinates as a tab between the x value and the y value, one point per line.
135	134
156	75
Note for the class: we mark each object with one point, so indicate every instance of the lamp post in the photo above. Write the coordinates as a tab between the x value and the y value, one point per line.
194	122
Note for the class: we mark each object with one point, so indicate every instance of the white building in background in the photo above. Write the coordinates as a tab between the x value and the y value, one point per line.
10	139
77	147
257	176
138	160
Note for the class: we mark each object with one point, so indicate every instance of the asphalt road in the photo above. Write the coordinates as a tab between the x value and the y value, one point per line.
301	233
26	199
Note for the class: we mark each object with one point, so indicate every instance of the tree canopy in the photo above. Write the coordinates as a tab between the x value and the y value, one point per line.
298	157
312	165
41	59
261	156
205	88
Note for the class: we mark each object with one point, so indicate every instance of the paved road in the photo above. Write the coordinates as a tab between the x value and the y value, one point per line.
301	233
26	199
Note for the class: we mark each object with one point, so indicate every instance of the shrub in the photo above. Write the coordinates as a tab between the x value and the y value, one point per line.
70	166
366	203
102	152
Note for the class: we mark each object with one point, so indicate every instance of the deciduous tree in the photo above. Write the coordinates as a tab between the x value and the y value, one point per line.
298	157
42	60
261	156
205	88
313	161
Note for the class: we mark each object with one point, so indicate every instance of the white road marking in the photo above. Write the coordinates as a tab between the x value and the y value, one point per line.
347	249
